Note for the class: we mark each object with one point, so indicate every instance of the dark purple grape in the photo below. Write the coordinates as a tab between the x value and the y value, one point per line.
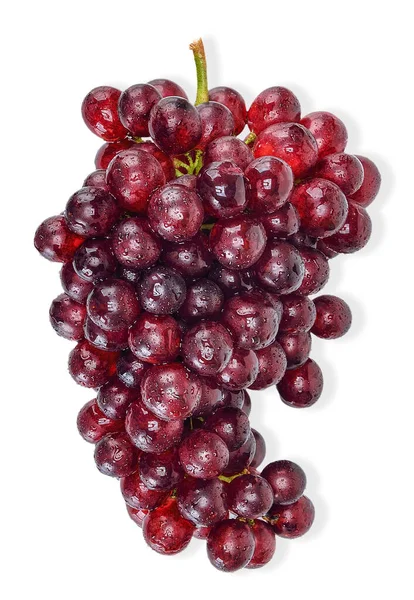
333	317
93	425
89	366
113	304
238	243
130	369
298	315
282	223
170	391
216	121
162	290
116	456
155	338
230	545
134	107
110	341
203	454
211	397
270	182
91	212
160	471
264	544
114	398
280	269
138	496
221	186
191	258
231	424
240	459
149	433
204	300
260	452
234	102
175	125
175	212
55	241
94	260
316	271
272	366
165	530
97	179
296	346
293	520
301	387
203	502
287	480
76	287
67	317
134	243
229	148
207	348
241	370
166	87
249	496
274	105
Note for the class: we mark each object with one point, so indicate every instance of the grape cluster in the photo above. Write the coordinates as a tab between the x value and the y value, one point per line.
189	258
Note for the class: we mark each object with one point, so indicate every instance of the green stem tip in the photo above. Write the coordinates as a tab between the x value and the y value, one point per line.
197	48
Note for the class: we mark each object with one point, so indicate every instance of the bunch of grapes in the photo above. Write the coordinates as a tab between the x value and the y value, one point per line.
189	258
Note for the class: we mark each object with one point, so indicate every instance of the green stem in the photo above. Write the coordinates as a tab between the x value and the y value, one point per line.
201	68
250	138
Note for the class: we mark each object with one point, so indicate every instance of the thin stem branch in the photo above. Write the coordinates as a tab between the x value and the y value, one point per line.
197	48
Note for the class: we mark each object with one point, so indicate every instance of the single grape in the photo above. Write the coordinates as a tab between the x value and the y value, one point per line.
91	211
203	502
354	233
148	432
89	366
216	121
67	317
211	397
110	341
260	452
328	130
249	496
165	161
203	454
175	125
230	545
228	148
191	258
116	456
97	179
108	151
280	269
204	300
165	530
76	288
207	348
230	281
170	391
94	260
273	105
221	186
138	496
242	458
272	366
93	425
175	212
134	243
100	113
296	346
342	169
55	241
130	369
155	338
241	370
270	182
166	87
132	177
301	387
252	319
189	181
333	317
327	252
316	271
114	398
293	520
234	102
231	424
232	399
264	544
299	314
238	243
370	184
321	206
113	304
160	471
287	480
162	290
134	107
291	142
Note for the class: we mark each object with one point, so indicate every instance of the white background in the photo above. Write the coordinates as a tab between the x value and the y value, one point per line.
65	532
